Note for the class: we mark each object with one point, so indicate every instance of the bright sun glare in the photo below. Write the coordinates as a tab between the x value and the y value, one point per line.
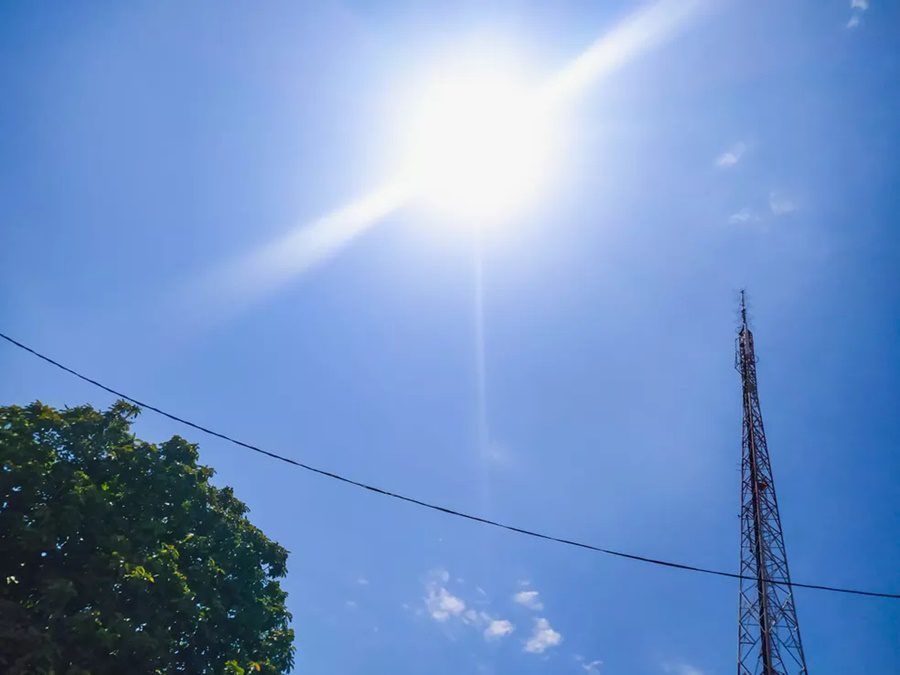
479	148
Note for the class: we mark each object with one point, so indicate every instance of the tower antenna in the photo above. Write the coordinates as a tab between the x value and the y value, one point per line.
743	309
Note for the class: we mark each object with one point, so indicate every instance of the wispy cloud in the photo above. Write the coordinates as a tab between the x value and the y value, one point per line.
681	668
731	156
781	205
543	637
745	215
858	7
529	599
590	667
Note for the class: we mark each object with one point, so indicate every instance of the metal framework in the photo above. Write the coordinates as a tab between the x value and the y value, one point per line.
768	632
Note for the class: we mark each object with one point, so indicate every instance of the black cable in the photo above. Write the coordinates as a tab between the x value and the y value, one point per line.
436	507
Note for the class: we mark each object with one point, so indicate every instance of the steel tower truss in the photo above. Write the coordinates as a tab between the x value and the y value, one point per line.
768	632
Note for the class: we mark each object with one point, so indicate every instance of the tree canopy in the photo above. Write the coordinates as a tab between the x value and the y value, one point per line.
120	556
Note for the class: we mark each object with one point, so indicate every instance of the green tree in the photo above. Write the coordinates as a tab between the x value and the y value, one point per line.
119	556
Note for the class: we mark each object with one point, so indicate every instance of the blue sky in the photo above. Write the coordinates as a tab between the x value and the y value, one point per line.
143	145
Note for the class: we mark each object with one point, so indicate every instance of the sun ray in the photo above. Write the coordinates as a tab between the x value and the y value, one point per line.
642	31
273	265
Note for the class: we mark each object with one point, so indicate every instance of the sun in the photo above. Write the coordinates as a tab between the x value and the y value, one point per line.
479	148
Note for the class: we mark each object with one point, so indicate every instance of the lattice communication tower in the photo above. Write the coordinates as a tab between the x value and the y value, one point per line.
768	632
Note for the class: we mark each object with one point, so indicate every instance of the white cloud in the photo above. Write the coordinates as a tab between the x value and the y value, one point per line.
362	581
542	637
858	7
494	628
781	206
351	604
442	604
681	669
745	215
590	667
529	599
497	629
731	157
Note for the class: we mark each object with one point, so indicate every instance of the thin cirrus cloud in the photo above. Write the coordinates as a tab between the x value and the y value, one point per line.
238	283
543	637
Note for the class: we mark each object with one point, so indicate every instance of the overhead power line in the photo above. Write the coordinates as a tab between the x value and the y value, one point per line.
438	507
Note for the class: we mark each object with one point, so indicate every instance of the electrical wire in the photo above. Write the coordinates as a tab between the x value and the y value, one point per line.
438	507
